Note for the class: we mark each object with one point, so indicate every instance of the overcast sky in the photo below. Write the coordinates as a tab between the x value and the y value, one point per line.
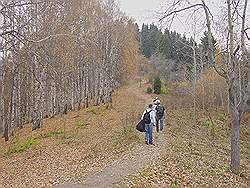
144	11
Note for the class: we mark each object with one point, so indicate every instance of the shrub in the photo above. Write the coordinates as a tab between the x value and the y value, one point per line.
150	80
100	110
149	90
211	127
157	85
164	90
93	111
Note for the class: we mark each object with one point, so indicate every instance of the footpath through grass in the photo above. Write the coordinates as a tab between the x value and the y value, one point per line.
197	156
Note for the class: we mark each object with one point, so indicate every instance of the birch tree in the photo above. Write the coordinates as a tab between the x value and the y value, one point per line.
58	56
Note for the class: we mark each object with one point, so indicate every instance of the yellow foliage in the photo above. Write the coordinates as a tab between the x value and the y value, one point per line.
218	55
130	53
211	88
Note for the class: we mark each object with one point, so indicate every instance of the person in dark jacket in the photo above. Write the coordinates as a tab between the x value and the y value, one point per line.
148	117
159	113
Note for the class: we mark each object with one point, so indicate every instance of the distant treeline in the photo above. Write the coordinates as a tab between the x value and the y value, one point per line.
174	50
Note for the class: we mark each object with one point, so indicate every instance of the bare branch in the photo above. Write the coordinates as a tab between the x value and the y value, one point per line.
15	4
6	33
180	10
236	50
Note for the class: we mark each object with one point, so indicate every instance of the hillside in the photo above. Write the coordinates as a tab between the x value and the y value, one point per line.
68	147
99	147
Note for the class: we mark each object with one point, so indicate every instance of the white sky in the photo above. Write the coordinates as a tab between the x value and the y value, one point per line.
144	11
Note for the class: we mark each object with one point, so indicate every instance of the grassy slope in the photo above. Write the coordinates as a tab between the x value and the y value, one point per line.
198	155
69	147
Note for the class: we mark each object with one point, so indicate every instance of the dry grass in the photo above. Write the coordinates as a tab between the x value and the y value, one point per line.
199	155
69	147
196	157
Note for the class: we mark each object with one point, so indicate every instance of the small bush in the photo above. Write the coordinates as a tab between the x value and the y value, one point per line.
100	110
222	116
126	136
150	80
147	172
174	184
211	127
24	120
164	90
127	130
70	138
207	124
149	90
157	85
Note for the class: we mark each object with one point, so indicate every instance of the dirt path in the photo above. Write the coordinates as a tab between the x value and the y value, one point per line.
94	147
131	163
190	145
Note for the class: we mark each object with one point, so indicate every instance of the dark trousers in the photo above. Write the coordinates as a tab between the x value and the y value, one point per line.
149	133
159	123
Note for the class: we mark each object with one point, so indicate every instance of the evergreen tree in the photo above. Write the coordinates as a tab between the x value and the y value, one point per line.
204	42
150	37
204	47
145	45
165	45
157	85
175	49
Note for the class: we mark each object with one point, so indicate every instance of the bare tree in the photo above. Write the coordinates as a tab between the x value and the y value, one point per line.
59	56
235	76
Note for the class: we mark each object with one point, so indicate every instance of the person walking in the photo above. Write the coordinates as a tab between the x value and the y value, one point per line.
148	117
154	105
159	110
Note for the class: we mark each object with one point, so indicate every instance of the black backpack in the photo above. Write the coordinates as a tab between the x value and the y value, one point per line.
159	111
141	126
146	117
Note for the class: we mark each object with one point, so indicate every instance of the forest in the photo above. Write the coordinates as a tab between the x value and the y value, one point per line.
58	56
174	51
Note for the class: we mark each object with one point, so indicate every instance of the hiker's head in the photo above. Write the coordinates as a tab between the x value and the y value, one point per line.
158	102
155	99
150	106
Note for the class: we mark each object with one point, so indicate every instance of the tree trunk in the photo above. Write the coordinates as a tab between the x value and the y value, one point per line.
195	83
235	143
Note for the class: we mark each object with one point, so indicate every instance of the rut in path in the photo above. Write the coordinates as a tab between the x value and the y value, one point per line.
138	158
